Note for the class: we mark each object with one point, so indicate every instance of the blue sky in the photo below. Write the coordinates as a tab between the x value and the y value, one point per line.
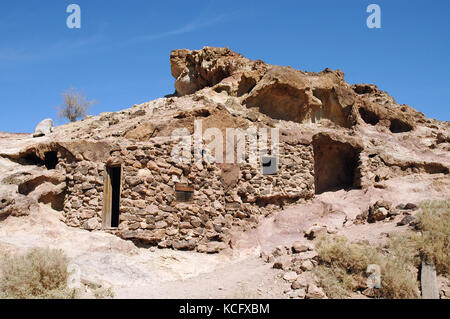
120	56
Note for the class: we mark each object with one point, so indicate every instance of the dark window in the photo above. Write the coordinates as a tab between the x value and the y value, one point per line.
183	192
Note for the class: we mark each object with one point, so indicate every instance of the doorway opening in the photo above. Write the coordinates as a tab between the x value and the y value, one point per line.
111	196
51	160
336	165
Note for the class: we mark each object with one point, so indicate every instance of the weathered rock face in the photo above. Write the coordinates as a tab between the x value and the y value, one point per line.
375	108
16	205
287	94
48	188
194	70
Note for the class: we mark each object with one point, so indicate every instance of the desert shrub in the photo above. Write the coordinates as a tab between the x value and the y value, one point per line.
399	280
344	264
338	252
336	282
75	105
41	273
399	267
434	242
341	262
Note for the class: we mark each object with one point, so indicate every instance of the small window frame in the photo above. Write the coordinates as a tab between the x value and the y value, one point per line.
272	168
184	193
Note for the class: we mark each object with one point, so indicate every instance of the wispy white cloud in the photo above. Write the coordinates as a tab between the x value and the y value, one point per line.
189	27
50	51
97	42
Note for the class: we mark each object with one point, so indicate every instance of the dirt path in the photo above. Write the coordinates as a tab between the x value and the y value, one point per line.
250	278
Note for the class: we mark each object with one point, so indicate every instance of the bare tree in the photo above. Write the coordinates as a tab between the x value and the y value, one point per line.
75	105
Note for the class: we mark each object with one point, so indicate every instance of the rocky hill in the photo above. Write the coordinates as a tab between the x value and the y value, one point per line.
343	150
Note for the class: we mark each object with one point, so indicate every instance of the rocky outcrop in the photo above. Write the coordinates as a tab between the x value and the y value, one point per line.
379	211
13	204
287	94
194	70
44	128
377	108
296	265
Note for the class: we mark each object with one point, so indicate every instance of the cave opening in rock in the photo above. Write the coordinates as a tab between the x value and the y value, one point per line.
111	199
398	126
30	159
51	160
368	116
336	165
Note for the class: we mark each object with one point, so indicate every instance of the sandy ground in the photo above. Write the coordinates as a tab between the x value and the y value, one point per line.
142	273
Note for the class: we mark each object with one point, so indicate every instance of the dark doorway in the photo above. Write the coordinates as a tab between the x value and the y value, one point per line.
51	160
112	194
335	164
115	200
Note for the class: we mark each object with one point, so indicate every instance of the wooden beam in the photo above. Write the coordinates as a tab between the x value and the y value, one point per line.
184	188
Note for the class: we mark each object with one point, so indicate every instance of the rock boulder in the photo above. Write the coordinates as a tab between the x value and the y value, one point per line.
44	128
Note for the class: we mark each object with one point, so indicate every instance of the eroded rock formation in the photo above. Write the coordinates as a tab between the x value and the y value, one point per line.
287	94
